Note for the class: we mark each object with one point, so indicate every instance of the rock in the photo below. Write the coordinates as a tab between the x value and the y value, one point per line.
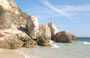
10	42
44	35
53	29
9	5
32	26
9	19
65	37
23	36
30	44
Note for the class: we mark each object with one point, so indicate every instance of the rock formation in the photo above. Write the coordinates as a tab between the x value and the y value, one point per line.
32	26
9	41
65	37
53	29
18	29
9	5
28	42
44	35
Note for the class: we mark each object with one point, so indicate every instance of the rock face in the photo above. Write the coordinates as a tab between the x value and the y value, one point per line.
53	29
28	42
9	5
10	41
32	26
9	19
44	35
65	37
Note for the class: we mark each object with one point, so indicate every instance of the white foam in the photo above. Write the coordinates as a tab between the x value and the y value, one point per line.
53	44
25	55
86	42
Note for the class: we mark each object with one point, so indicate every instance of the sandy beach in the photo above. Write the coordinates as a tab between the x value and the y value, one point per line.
9	53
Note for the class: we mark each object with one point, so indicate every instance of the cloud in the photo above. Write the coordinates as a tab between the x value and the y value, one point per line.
49	11
46	3
81	8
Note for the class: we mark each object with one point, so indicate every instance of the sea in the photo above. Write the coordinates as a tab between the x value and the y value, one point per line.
80	49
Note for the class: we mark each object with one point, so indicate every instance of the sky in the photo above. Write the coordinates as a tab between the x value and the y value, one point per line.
71	15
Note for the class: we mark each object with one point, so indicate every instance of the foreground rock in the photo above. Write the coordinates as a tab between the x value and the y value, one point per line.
65	37
10	41
32	26
44	35
53	29
28	42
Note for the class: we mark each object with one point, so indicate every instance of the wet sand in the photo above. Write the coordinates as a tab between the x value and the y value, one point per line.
10	53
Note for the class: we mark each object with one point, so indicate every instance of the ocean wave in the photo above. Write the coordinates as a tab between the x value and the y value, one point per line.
53	44
25	55
86	42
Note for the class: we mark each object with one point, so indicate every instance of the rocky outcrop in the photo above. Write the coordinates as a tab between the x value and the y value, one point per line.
32	26
17	29
9	5
53	29
65	37
10	41
28	42
9	19
44	35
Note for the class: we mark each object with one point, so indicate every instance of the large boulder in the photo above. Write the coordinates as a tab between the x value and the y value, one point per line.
10	41
65	37
53	29
44	35
32	26
28	42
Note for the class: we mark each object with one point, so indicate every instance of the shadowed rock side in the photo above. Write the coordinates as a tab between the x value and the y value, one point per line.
44	35
53	30
65	37
28	42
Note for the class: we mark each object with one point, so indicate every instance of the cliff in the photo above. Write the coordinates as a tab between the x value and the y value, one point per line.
18	29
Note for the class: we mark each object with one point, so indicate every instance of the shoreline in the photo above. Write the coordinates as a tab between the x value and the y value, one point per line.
13	53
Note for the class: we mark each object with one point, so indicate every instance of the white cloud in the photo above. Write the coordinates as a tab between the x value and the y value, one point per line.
46	3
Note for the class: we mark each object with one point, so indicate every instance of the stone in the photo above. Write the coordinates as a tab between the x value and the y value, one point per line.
44	35
9	41
30	44
65	37
53	29
9	19
32	26
9	5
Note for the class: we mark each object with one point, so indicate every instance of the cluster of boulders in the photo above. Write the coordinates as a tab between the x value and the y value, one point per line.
45	32
17	29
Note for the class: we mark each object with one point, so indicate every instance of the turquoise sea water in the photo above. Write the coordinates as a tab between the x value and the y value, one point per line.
80	49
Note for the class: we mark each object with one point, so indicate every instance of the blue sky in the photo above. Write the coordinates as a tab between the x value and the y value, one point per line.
71	15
